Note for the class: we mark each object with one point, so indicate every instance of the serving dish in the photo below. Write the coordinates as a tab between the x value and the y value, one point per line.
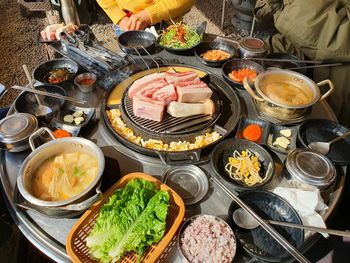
257	242
226	148
236	64
41	72
137	39
315	130
88	87
76	246
214	45
34	160
252	47
281	110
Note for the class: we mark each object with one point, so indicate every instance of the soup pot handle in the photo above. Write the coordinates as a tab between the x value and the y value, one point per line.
331	88
36	134
248	88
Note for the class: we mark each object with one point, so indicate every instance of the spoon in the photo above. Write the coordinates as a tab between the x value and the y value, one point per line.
323	147
42	110
246	221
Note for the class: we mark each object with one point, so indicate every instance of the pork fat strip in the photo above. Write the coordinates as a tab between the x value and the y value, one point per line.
175	77
166	94
142	82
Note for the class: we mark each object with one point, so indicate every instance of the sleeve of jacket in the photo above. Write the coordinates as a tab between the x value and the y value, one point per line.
321	29
162	10
112	9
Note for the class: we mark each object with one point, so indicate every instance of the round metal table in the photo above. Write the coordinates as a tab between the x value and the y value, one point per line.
49	234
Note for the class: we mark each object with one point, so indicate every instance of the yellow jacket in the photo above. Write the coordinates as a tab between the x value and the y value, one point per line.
158	10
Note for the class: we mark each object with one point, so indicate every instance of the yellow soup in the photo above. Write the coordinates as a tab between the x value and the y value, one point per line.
64	176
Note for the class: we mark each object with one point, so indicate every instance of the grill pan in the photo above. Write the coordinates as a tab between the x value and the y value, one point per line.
224	121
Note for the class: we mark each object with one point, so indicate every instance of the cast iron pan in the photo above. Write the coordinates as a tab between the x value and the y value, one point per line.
218	45
130	40
284	65
225	149
322	130
41	72
257	242
236	64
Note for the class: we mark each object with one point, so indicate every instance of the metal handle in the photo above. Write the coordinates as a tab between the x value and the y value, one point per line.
180	158
340	137
312	228
247	87
331	88
36	134
269	229
26	71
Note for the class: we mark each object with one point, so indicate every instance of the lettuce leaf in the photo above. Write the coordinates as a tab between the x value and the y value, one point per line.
132	219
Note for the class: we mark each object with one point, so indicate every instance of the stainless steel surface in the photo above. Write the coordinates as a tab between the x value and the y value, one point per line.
251	47
323	147
49	234
86	88
245	220
42	109
44	93
269	229
189	181
310	167
15	131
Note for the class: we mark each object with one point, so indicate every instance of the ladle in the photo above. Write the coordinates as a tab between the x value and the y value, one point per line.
246	221
42	109
323	147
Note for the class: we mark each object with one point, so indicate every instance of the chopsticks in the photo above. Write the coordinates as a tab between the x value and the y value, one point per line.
269	229
49	94
286	60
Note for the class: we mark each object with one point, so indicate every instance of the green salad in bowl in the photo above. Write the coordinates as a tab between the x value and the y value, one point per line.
180	37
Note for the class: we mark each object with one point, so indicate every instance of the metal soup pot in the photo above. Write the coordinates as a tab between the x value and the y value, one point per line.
79	202
281	111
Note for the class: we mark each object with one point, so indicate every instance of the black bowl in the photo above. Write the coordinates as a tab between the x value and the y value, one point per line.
225	149
236	64
257	242
322	130
285	65
136	39
27	103
41	72
218	45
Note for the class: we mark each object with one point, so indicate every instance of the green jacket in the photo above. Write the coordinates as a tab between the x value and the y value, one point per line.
319	30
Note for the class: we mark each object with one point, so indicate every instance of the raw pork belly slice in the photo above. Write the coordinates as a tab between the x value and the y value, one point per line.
175	77
151	88
193	92
142	82
166	94
147	108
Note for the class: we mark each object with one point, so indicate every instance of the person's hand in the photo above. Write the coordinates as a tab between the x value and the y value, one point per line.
123	24
139	21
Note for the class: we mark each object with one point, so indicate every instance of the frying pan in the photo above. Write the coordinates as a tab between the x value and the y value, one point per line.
131	40
41	72
225	124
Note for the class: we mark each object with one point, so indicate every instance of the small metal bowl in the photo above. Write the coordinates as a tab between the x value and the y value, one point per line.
189	181
225	149
189	221
215	45
236	64
85	88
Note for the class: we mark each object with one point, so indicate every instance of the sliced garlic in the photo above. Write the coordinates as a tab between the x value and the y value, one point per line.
68	118
281	142
78	113
286	133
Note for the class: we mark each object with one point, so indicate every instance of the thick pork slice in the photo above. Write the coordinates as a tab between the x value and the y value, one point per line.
175	77
147	108
166	94
151	88
142	82
193	92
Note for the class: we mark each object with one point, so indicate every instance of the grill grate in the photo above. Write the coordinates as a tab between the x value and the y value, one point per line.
172	125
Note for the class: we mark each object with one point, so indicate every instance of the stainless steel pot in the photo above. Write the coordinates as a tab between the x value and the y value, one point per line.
79	202
15	130
281	111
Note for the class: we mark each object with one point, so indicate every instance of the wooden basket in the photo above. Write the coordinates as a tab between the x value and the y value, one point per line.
76	245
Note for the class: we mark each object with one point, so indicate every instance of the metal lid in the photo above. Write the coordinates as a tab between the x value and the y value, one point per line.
17	127
253	44
189	181
311	167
